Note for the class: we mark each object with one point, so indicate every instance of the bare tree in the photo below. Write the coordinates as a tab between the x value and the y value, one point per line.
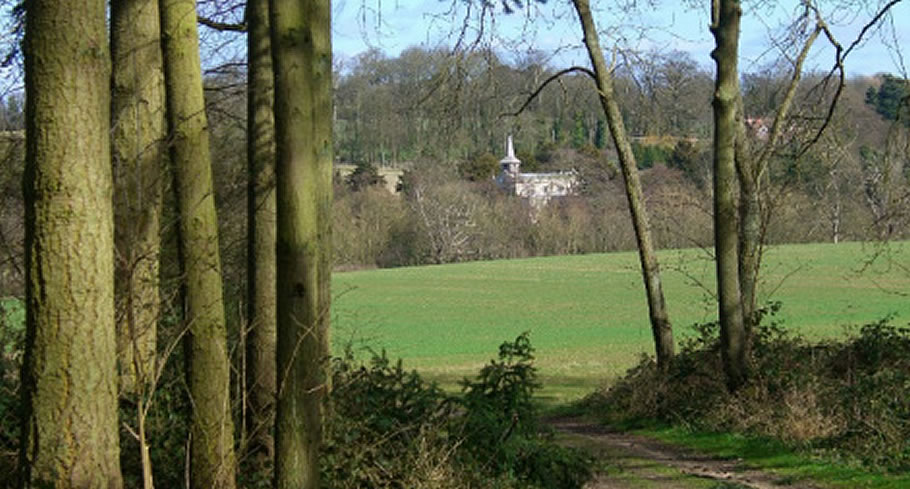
650	269
138	133
725	24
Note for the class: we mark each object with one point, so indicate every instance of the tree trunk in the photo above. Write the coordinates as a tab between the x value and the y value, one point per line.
69	374
748	174
650	269
725	28
751	169
302	53
261	340
208	371
138	132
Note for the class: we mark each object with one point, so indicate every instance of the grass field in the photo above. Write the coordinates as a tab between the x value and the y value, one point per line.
587	315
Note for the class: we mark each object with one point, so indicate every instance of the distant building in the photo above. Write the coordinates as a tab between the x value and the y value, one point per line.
758	127
538	188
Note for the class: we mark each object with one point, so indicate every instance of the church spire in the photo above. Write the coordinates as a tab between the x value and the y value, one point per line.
510	163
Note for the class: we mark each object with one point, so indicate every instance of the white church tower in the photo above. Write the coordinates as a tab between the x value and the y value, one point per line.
537	188
510	164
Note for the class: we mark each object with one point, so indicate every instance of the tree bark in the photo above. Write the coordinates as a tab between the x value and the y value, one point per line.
748	174
650	268
302	55
262	337
725	28
69	374
212	458
137	144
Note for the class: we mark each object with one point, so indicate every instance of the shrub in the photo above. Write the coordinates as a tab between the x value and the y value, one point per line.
479	167
388	428
647	155
851	396
385	426
498	407
500	430
365	175
12	341
872	374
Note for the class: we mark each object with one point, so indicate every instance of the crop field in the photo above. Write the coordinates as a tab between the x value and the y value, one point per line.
587	315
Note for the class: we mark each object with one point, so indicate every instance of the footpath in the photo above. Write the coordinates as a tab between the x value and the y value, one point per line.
631	461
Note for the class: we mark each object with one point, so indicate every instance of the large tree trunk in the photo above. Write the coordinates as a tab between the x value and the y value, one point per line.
725	27
261	340
138	132
650	269
208	371
69	375
302	53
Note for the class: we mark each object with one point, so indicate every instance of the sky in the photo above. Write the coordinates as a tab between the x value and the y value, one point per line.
637	26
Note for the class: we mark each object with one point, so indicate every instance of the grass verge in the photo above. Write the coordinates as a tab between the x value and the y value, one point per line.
776	457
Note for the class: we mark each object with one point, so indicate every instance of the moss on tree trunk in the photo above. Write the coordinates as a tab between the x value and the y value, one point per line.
661	328
138	132
262	337
69	378
725	27
212	460
302	52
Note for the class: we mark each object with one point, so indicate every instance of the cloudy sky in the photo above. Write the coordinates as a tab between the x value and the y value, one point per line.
642	25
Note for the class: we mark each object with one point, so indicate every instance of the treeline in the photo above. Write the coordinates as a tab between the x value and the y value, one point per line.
440	116
448	105
446	124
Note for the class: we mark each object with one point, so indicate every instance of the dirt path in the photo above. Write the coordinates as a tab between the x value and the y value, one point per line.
632	461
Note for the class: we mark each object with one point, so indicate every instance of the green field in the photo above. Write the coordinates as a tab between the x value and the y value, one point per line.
587	314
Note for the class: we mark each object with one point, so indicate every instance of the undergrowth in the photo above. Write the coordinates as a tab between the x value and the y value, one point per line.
388	428
848	398
385	428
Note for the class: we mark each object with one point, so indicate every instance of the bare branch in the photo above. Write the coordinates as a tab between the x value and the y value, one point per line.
839	57
221	26
872	23
546	82
784	112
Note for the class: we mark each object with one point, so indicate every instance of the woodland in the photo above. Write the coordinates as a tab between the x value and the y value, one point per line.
172	216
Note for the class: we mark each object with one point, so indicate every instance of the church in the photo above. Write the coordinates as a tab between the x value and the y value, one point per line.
537	188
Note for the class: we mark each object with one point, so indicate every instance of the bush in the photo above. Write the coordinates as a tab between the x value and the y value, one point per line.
385	426
498	406
479	168
850	396
872	373
12	341
647	155
500	428
365	175
388	428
